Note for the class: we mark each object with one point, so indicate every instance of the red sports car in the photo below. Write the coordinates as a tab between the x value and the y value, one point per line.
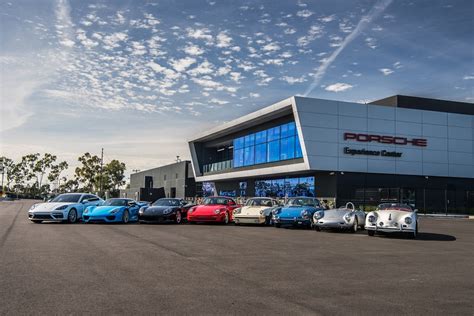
214	209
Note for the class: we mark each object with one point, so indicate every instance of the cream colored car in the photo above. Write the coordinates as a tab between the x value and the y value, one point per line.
255	211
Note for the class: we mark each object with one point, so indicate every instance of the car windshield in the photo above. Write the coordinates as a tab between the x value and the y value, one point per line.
67	198
259	202
166	202
395	207
115	202
301	202
215	201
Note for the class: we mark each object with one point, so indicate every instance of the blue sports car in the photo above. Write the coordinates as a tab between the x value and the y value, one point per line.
113	211
298	211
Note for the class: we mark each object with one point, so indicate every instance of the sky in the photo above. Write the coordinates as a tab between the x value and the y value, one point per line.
140	78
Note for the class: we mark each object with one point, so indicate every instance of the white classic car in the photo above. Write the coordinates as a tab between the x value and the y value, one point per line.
66	207
341	218
255	211
392	217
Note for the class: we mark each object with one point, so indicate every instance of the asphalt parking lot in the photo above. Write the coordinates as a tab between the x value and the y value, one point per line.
214	269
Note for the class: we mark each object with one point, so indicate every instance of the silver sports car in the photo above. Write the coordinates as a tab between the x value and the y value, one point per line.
341	218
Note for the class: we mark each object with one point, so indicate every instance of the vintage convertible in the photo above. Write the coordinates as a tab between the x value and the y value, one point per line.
298	211
116	210
392	217
255	211
165	210
346	217
218	209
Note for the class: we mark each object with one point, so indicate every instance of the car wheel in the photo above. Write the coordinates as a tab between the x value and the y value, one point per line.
125	217
226	218
355	226
371	232
178	218
37	222
72	216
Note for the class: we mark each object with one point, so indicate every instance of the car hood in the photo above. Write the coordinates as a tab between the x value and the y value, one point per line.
387	216
102	210
157	210
337	213
252	210
292	211
207	209
49	206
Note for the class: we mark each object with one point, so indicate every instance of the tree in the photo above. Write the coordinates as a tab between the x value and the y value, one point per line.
89	173
115	171
8	165
55	172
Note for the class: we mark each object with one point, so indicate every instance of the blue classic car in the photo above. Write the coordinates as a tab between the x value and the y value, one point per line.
298	211
113	211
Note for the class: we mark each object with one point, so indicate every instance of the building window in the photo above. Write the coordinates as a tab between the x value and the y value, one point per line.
164	177
176	176
274	144
290	187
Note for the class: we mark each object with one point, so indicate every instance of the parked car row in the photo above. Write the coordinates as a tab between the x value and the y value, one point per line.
298	211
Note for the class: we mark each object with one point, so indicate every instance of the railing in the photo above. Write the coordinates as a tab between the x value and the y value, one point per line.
218	166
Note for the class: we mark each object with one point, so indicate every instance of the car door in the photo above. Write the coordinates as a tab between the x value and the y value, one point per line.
84	202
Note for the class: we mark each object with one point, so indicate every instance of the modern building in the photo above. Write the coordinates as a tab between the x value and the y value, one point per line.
174	180
408	149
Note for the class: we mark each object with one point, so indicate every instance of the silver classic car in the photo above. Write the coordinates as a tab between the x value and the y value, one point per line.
392	217
346	217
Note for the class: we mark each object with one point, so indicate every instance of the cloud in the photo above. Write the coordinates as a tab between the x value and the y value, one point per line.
338	87
64	25
223	40
193	50
386	71
304	13
376	10
271	47
201	34
314	32
217	101
182	64
467	77
254	95
293	80
203	68
328	18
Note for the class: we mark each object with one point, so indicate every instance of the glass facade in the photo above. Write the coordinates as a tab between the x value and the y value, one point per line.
274	144
303	186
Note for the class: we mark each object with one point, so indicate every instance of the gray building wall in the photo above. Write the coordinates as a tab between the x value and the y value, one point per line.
177	175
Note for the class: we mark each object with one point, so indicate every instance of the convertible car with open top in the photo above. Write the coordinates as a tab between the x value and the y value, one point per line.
392	218
343	218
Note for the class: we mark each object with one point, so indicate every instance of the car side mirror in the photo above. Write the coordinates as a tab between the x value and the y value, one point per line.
415	210
85	201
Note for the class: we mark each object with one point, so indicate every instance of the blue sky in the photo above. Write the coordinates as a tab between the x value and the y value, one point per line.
139	78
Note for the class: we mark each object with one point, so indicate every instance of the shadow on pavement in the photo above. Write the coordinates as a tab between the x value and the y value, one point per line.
421	236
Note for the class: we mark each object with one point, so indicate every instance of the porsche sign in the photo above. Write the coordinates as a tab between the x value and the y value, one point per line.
383	139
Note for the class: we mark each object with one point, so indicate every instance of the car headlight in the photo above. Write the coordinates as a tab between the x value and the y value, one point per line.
348	217
33	206
192	209
304	213
167	211
141	210
372	219
276	211
114	211
408	220
86	211
319	214
217	212
237	210
62	207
